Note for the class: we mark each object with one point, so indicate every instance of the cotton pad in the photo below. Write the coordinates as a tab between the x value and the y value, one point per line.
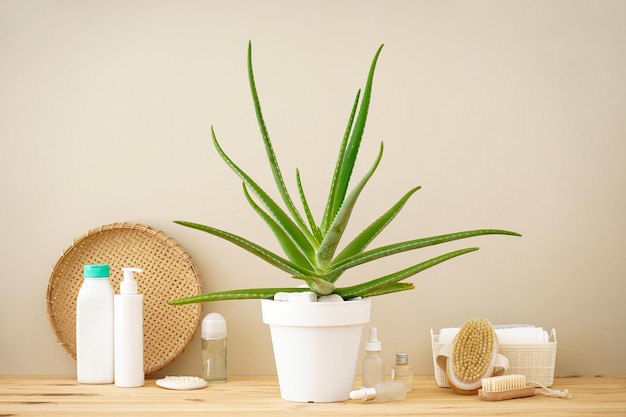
181	382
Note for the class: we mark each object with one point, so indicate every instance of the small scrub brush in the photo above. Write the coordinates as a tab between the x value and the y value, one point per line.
507	387
473	356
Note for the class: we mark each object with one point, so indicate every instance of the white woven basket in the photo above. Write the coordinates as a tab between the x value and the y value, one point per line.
534	360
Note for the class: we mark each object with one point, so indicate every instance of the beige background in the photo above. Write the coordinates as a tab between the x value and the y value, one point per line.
510	114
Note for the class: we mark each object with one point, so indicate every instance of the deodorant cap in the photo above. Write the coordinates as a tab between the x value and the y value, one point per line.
213	326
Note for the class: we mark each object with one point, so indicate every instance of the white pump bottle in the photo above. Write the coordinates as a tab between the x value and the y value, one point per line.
128	306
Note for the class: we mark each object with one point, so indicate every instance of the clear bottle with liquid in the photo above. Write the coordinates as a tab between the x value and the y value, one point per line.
214	352
373	368
381	392
402	371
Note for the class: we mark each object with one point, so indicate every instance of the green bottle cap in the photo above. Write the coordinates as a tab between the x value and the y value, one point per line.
96	271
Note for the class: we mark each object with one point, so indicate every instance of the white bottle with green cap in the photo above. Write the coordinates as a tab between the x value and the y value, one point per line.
94	327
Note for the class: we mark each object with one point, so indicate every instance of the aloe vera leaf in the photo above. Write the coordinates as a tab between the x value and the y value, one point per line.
327	248
332	205
269	148
234	295
409	245
354	143
363	239
363	288
292	251
298	236
307	209
257	250
388	289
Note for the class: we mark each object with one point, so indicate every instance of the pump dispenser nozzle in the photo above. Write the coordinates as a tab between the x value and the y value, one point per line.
129	286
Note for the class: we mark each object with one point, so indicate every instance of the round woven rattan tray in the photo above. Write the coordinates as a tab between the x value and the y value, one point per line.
168	273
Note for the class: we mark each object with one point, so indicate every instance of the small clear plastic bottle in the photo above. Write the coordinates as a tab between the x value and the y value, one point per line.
402	371
381	392
214	348
373	368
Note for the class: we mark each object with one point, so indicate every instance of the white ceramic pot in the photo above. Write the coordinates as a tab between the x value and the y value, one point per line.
316	347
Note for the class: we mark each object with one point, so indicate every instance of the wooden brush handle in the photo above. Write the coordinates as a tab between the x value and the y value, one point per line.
506	395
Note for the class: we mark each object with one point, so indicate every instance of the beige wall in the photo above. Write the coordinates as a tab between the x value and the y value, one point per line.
509	113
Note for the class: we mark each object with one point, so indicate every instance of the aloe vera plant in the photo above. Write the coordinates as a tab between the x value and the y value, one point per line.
311	248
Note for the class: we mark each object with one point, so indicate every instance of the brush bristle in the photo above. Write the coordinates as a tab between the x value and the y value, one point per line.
504	383
473	350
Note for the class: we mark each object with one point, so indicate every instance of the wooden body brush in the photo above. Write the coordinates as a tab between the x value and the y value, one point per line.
474	356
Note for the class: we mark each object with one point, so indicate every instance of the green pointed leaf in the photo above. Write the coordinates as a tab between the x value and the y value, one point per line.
257	250
307	209
246	294
292	250
333	203
364	238
327	248
352	150
295	233
409	245
269	148
368	287
388	289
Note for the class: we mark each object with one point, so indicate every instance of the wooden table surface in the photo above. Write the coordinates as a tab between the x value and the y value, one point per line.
259	396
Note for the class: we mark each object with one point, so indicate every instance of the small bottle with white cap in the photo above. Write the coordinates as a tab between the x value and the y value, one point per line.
373	368
214	348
